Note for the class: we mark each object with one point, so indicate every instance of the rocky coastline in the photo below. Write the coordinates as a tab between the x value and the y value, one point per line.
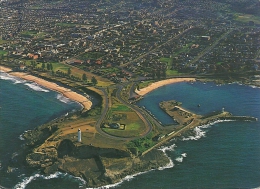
100	166
97	166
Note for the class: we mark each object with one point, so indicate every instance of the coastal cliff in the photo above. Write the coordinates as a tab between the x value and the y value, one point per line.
97	166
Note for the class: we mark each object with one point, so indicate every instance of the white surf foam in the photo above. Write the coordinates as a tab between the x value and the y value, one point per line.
63	99
199	133
21	137
1	187
130	177
255	87
127	178
168	166
15	80
180	159
27	180
36	87
164	149
167	148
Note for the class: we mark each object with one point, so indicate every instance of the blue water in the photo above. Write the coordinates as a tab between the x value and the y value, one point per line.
223	155
24	106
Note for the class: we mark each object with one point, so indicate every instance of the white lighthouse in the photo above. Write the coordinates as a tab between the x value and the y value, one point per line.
79	135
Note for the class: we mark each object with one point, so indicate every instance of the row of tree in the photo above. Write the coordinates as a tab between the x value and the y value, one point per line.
83	78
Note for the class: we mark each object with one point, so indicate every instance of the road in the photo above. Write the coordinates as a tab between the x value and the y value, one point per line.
143	115
206	50
155	49
139	112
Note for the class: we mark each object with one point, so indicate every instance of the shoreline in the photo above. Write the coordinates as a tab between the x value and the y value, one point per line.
161	83
68	93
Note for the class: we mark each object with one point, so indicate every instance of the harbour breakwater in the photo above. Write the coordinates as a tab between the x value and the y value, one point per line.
187	120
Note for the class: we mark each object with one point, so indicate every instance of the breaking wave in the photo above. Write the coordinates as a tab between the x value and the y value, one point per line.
167	148
180	159
21	137
36	87
130	177
15	80
254	87
164	149
27	180
199	133
63	99
127	178
1	187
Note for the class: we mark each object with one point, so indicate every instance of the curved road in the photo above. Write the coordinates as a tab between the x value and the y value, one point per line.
105	110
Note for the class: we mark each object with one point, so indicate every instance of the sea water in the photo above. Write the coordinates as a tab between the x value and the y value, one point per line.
23	106
222	155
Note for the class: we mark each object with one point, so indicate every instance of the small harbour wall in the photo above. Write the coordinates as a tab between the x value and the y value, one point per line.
198	121
239	118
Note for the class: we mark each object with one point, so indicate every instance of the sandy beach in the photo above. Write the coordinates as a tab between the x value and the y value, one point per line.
4	69
86	103
158	84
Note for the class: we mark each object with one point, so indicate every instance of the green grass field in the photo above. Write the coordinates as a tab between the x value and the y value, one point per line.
2	52
68	25
167	60
172	73
124	115
120	107
2	41
247	18
145	84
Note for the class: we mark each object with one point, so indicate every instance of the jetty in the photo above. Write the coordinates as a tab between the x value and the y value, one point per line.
188	120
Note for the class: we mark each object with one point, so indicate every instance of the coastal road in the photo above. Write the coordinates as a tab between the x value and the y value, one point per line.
140	113
106	108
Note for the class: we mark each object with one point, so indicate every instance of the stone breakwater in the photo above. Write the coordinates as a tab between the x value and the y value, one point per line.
187	120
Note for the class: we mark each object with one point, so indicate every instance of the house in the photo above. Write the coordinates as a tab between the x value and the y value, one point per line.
114	125
76	62
22	67
99	62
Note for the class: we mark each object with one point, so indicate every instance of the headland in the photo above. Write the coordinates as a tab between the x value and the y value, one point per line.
107	155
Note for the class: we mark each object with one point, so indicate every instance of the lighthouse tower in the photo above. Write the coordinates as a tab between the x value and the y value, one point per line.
79	135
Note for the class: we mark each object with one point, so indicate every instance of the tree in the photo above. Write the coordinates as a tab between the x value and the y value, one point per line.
51	67
69	71
84	77
48	66
94	80
43	66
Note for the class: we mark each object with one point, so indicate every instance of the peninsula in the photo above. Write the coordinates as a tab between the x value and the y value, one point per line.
111	144
108	55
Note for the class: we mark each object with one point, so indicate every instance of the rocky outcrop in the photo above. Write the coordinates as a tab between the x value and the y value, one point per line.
97	166
42	159
117	169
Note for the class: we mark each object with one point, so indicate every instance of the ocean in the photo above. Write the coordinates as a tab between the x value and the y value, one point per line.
222	155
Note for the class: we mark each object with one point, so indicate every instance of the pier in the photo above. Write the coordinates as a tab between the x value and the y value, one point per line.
188	120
